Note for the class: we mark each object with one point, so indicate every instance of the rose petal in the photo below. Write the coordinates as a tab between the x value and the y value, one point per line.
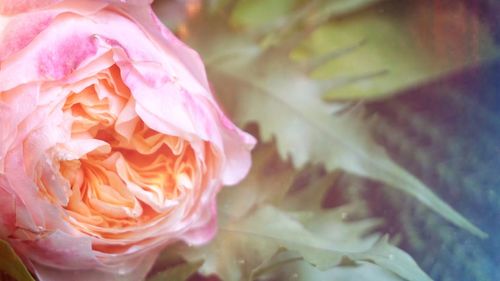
133	270
10	7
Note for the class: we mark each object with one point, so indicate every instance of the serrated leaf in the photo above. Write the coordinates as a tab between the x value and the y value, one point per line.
360	272
287	233
267	183
311	197
262	86
11	264
291	268
262	234
265	87
247	241
238	257
330	224
180	272
288	107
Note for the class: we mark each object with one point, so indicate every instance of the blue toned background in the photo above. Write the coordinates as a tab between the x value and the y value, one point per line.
447	133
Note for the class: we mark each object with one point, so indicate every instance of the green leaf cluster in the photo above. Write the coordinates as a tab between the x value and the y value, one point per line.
267	225
262	84
299	71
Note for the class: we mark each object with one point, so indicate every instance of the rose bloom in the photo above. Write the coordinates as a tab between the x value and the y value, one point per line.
111	143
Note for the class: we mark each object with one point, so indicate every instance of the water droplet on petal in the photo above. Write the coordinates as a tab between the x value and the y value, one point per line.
343	215
123	271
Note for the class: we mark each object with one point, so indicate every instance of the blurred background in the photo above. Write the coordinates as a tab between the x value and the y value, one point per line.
446	131
429	70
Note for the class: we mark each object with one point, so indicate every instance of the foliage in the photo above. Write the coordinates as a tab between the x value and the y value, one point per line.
398	45
179	272
258	83
250	243
11	264
289	67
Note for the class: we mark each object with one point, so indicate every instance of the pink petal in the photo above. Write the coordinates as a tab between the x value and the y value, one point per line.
59	249
11	7
135	270
7	211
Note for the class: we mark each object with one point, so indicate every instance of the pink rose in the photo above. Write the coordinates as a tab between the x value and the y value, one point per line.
111	143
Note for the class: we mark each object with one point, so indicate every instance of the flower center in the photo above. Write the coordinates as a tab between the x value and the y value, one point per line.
141	177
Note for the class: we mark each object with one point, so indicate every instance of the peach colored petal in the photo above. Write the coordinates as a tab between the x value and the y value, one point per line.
127	120
155	184
77	148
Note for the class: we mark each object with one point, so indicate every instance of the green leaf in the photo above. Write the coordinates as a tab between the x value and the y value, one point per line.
311	197
265	87
252	241
249	241
255	13
282	231
302	271
336	226
342	7
11	264
179	272
215	6
284	102
395	45
267	183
